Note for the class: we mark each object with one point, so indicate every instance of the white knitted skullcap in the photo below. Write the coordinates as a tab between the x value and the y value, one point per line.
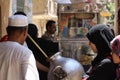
18	21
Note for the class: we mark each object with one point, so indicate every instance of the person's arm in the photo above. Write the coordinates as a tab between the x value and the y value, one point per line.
41	67
29	69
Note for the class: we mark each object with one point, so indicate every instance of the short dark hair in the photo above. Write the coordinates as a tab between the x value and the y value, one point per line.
49	23
20	13
12	29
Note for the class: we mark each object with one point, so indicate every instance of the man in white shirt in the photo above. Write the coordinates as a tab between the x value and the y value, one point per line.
16	61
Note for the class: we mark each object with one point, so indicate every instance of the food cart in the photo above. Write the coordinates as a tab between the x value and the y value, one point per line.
74	22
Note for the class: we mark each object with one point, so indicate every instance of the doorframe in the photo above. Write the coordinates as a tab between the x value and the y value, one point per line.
0	22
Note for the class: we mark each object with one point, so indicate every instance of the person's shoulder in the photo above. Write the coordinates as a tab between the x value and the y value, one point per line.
23	49
107	62
43	40
25	53
16	49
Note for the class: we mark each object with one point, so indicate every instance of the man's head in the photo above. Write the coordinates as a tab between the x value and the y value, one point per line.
51	26
17	28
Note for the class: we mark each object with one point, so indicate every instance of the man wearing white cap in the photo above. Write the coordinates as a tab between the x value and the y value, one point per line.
16	61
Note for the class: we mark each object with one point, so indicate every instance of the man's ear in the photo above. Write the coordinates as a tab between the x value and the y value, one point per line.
25	32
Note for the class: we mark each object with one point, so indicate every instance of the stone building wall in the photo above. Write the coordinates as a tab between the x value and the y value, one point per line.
4	14
44	10
39	6
9	7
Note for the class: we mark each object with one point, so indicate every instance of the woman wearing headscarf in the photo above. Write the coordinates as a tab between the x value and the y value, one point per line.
33	32
102	67
47	46
115	43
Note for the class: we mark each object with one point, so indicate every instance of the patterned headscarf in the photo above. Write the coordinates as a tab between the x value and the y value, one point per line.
115	43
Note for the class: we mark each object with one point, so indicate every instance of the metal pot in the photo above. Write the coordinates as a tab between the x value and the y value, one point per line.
62	68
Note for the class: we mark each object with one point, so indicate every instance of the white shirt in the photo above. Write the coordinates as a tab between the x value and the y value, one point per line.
17	62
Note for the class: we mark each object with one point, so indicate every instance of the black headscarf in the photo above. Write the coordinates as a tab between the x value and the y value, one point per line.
48	47
32	30
101	35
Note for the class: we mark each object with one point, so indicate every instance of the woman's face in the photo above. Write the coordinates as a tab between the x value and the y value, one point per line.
92	45
115	57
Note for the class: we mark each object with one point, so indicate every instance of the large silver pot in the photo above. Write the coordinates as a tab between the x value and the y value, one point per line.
62	68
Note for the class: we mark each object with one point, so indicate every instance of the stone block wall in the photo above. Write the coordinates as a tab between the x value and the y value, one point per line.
4	14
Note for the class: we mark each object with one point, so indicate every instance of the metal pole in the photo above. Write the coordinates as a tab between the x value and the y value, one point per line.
59	35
